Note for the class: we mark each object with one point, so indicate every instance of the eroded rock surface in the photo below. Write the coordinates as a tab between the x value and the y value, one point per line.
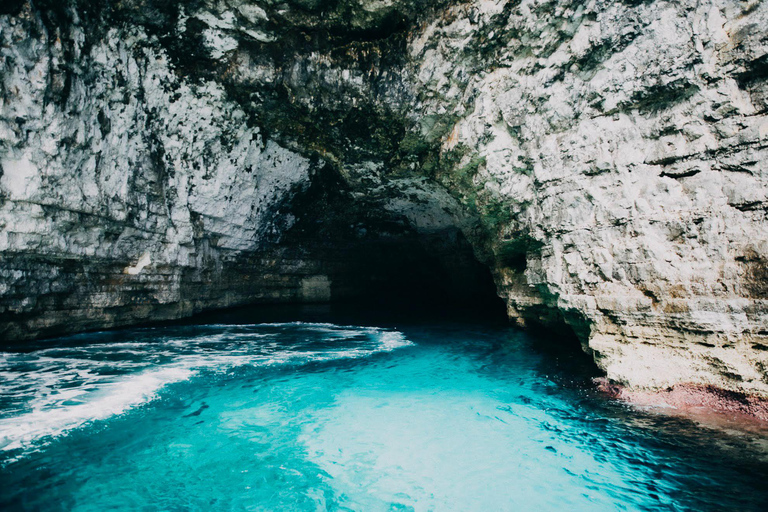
624	147
607	161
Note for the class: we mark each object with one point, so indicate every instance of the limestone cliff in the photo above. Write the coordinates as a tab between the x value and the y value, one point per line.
606	160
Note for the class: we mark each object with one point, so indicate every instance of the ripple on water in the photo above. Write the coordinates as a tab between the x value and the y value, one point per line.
301	416
46	392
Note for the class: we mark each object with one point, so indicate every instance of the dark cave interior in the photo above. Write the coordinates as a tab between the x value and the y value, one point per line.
370	254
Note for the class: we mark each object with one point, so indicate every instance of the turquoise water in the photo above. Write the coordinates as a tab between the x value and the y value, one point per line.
322	416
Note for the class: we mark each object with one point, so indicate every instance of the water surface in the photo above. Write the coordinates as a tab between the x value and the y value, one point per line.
347	415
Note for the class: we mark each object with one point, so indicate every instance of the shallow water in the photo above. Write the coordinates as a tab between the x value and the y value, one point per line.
322	416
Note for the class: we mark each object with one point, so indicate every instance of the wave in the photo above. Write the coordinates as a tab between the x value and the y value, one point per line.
50	392
22	431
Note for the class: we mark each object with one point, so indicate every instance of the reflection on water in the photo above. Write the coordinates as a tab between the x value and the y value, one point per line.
307	416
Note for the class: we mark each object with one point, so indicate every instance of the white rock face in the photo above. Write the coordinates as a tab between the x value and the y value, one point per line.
625	146
133	163
155	148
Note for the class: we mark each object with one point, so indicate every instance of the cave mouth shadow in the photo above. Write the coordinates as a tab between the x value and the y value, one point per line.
418	275
364	254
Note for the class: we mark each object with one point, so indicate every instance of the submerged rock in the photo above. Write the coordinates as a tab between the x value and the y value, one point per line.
606	160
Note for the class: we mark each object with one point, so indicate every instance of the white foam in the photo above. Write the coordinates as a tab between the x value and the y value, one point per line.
52	408
118	397
391	340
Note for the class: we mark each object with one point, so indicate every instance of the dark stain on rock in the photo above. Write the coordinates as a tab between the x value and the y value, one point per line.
755	276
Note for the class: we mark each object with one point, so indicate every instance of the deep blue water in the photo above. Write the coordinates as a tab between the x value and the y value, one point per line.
350	415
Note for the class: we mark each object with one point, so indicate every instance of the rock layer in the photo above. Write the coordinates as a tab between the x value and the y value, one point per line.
606	160
625	146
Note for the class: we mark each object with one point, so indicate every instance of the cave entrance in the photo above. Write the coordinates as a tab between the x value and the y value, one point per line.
362	251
